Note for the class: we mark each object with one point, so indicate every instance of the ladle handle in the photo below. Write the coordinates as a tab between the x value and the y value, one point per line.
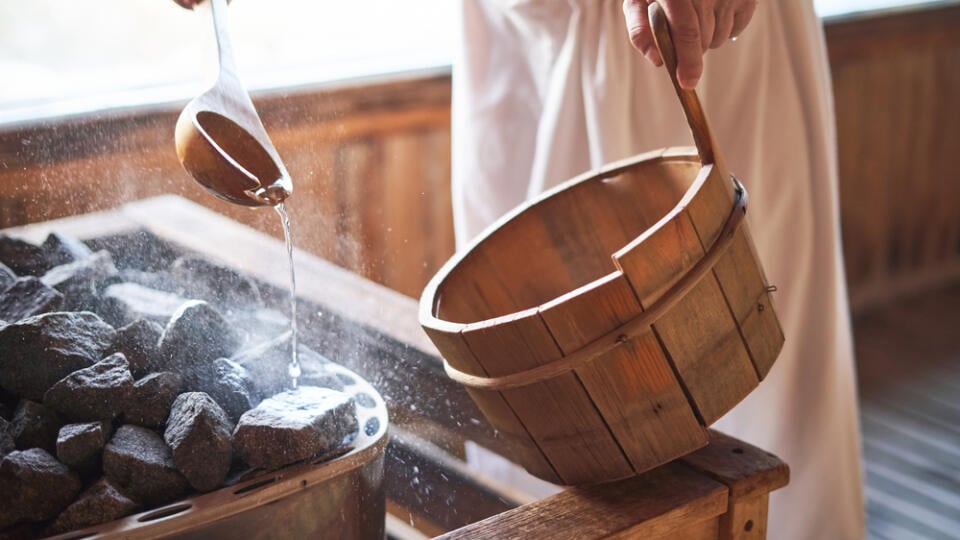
692	108
221	29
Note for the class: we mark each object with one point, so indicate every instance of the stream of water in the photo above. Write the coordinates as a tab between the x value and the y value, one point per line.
293	370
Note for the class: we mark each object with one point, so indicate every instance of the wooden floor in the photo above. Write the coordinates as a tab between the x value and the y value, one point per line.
908	356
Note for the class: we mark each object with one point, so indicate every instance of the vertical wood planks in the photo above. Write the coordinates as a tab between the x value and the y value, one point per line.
632	386
455	350
557	412
738	270
699	334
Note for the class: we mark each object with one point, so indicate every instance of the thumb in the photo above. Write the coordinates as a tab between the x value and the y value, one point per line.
685	31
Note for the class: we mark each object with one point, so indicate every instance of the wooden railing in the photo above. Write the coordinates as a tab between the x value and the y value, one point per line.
371	162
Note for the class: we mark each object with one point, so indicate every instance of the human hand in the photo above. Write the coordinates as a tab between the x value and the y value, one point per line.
189	4
695	26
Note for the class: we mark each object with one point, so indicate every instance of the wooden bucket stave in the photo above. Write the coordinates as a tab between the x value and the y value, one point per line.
601	327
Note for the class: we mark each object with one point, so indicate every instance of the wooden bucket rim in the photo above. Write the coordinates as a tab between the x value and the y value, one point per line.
428	298
629	329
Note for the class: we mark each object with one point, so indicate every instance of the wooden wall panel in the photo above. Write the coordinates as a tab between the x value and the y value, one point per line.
896	79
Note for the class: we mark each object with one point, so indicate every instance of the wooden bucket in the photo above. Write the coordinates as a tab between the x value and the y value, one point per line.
603	326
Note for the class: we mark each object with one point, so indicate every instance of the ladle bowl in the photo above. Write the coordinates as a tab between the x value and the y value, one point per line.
220	139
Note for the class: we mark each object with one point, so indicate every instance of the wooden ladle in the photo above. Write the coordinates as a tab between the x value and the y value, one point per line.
220	139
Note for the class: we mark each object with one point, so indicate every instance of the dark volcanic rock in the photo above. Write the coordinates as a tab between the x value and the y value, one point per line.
7	277
260	324
28	296
231	387
124	303
22	257
41	350
35	426
268	365
293	426
196	336
139	342
138	461
39	486
100	503
203	278
152	397
99	392
7	443
80	446
63	249
161	280
140	249
78	280
198	432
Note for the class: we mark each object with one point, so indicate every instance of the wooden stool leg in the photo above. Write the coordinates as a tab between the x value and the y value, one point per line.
746	519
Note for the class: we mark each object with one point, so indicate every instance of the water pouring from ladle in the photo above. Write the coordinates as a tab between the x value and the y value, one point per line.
220	139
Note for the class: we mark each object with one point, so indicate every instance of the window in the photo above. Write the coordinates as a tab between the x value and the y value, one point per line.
59	57
62	57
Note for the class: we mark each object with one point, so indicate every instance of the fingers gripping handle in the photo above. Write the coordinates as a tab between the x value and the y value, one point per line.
692	108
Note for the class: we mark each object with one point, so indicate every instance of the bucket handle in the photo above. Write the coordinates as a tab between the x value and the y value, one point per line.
702	136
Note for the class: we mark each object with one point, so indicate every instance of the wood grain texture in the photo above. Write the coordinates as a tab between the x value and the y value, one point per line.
895	78
745	469
655	504
520	441
738	272
558	413
633	386
745	520
699	334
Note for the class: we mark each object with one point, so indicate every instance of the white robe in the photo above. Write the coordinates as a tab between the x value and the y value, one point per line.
546	89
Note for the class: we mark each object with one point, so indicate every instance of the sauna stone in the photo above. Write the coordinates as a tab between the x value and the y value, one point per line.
78	280
196	335
28	296
198	433
7	443
40	487
24	258
203	278
140	463
124	303
138	341
7	276
231	387
293	426
161	280
41	350
35	426
267	364
141	250
99	392
63	249
152	397
80	446
100	503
